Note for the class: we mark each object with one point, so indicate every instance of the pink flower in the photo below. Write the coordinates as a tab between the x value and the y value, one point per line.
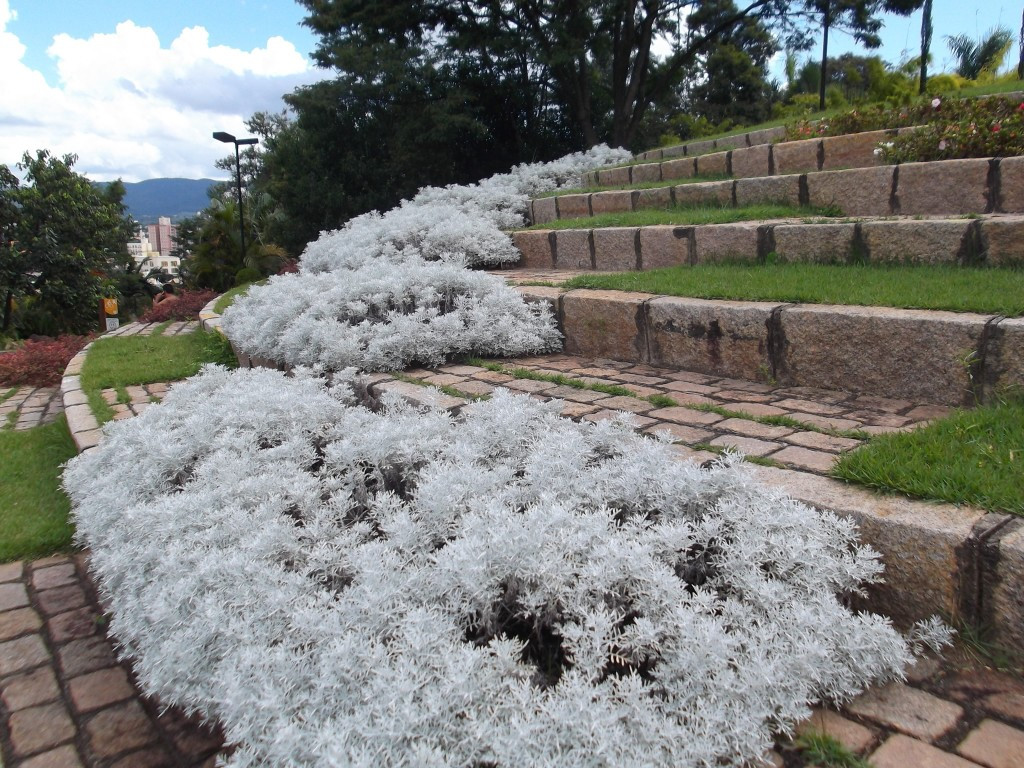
936	103
996	128
942	144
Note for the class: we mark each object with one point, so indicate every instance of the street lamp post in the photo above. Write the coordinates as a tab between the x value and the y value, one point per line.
227	138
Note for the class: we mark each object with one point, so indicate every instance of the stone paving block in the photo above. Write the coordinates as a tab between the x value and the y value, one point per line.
573	206
61	599
611	202
88	439
1011	185
748	446
854	736
784	190
85	655
22	653
646	173
61	757
681	415
854	150
902	353
809	406
753	428
717	243
99	689
757	409
796	156
705	193
610	177
54	576
682	168
700	147
535	248
1006	596
13	596
576	411
1008	706
118	729
916	242
904	752
80	419
713	164
30	689
575	395
815	243
572	249
540	294
39	728
605	324
805	458
750	162
724	338
660	197
72	625
154	757
887	404
19	621
529	385
664	246
681	432
426	397
77	397
1001	240
825	422
615	249
630	404
946	187
543	210
822	442
766	135
635	421
857	192
994	744
908	710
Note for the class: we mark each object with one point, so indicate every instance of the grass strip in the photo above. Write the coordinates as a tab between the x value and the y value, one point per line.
8	395
229	296
35	521
970	457
823	750
159	330
761	460
637	185
123	361
987	290
688	216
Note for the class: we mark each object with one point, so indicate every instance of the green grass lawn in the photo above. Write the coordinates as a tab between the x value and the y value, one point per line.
124	361
973	457
683	216
963	289
34	521
228	297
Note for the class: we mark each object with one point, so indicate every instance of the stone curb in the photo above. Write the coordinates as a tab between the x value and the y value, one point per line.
82	424
987	240
948	358
941	187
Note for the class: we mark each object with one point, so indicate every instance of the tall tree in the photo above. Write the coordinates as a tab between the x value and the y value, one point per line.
926	43
975	57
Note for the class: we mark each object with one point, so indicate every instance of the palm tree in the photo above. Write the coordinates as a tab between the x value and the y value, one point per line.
982	56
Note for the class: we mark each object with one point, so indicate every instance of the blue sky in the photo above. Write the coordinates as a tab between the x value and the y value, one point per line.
136	87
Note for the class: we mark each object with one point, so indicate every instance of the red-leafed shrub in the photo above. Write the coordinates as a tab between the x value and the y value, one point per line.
39	362
288	267
185	307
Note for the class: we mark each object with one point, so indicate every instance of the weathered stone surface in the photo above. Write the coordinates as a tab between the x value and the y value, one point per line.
680	168
918	541
902	752
18	622
700	147
994	744
573	206
664	246
1011	185
724	338
61	757
715	243
750	162
611	202
1004	361
39	728
659	197
854	150
100	688
59	575
118	729
853	736
704	193
615	249
944	187
731	142
23	653
857	192
766	136
646	172
1006	595
805	458
907	710
31	689
80	419
537	294
748	446
422	396
544	210
676	150
1003	240
906	353
817	243
13	595
915	242
613	177
714	164
535	247
796	156
784	190
572	249
605	324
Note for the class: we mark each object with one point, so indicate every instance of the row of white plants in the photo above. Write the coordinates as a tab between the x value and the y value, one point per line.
343	581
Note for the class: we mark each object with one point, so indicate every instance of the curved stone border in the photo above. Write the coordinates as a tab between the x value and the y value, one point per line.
989	240
82	424
949	358
938	188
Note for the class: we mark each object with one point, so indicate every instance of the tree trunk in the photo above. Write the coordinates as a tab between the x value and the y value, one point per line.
8	307
926	43
1020	63
825	23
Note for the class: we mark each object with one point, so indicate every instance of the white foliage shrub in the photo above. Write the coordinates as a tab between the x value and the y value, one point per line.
343	586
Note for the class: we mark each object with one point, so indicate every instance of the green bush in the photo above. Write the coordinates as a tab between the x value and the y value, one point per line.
247	275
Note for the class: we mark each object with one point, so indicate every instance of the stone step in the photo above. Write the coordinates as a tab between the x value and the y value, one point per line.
994	240
938	188
948	358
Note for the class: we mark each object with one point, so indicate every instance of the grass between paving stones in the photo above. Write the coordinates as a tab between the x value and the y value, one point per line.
34	522
159	330
986	290
720	450
637	185
826	751
445	388
5	396
123	361
688	216
971	457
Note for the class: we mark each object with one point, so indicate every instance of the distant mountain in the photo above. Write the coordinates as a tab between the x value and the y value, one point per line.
176	198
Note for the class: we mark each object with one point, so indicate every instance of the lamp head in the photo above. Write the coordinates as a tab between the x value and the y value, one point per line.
227	138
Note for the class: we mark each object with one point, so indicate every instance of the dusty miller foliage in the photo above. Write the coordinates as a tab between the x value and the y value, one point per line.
393	289
340	584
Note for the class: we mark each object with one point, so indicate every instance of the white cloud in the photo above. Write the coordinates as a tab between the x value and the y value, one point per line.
130	107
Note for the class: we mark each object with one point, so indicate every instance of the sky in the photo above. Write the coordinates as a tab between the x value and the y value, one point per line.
135	88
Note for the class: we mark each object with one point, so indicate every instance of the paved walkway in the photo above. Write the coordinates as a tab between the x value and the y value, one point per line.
30	407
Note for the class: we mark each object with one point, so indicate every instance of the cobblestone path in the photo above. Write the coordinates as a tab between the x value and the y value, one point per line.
29	407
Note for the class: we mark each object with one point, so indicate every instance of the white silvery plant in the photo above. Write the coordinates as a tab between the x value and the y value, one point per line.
340	583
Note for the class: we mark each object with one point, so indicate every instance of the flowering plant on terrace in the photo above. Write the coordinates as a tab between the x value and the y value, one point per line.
371	585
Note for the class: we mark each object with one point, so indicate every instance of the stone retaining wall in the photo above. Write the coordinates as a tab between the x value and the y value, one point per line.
949	358
993	241
943	187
